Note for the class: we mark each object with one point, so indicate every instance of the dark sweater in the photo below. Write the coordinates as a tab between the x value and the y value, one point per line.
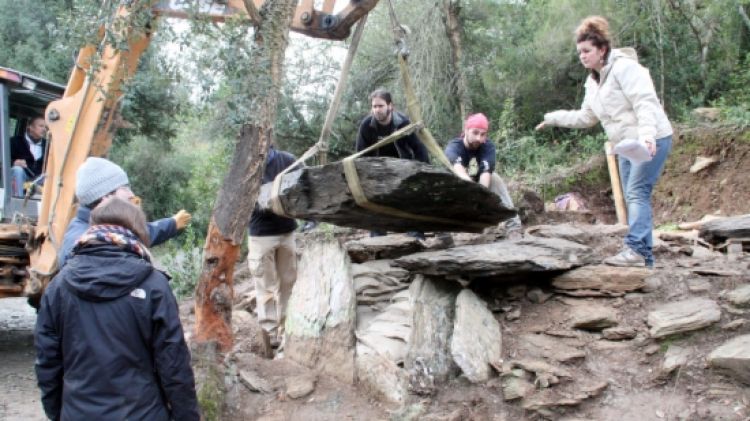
264	223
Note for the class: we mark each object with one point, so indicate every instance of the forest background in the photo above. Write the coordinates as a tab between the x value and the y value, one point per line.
513	60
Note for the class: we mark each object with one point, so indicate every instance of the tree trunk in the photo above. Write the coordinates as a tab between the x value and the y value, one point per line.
453	30
236	198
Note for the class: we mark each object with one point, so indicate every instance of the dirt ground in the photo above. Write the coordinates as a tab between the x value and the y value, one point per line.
634	390
19	395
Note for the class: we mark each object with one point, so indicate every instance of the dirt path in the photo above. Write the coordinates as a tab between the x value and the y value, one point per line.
19	395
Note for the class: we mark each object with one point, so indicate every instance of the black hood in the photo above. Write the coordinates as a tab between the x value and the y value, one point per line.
104	272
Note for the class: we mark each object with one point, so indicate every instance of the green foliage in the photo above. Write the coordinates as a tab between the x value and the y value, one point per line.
28	40
184	260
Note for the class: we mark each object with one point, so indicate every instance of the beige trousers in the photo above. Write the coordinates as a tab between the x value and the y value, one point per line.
273	265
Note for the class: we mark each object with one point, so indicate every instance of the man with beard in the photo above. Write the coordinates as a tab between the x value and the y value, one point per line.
473	145
381	123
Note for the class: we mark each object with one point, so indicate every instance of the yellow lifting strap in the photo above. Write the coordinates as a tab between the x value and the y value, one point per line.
412	105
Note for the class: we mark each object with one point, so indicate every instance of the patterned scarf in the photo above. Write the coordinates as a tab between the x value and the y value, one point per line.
115	235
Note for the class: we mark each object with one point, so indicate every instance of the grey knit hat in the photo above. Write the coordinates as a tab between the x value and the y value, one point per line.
98	177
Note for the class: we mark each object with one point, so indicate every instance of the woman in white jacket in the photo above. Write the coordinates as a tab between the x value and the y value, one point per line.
620	94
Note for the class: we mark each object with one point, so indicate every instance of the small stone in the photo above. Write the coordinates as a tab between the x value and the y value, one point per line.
734	324
514	314
593	317
740	297
300	386
652	284
652	349
536	295
515	387
619	333
698	285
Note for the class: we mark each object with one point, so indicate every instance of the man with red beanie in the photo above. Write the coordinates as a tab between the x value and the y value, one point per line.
474	145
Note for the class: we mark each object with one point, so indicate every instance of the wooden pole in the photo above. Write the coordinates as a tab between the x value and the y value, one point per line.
614	177
333	109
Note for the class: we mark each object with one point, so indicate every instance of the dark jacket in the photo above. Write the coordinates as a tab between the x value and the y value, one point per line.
457	153
408	147
159	232
109	342
264	223
19	149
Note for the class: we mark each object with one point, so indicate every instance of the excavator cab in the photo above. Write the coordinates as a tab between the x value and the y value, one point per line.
22	96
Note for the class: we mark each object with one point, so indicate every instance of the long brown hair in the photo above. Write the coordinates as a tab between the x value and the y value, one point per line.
115	211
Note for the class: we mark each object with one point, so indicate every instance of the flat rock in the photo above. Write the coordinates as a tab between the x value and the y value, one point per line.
607	280
510	257
683	316
544	346
675	358
476	344
428	359
565	231
619	333
383	247
321	312
719	230
734	357
256	383
300	386
321	193
740	297
698	285
593	317
703	162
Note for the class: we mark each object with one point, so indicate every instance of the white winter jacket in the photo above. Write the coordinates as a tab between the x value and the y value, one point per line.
624	101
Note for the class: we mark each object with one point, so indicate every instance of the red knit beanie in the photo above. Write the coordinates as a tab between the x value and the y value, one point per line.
477	121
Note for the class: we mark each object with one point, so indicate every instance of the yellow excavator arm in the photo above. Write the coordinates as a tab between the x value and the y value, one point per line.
81	122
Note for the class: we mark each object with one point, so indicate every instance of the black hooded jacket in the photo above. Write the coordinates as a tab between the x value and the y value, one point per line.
109	342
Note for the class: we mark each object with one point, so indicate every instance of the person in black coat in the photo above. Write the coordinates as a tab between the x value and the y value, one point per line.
27	154
108	337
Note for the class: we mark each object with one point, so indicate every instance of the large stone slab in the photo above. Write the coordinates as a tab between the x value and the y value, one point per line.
476	344
722	229
509	257
321	314
601	280
734	357
321	193
683	316
383	247
428	359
